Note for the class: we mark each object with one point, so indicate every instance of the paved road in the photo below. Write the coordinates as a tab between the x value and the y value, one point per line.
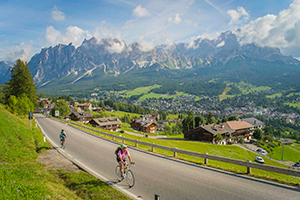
170	178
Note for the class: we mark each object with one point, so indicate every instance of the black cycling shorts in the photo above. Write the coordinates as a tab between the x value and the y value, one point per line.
119	160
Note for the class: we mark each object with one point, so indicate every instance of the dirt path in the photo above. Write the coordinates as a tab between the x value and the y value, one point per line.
54	160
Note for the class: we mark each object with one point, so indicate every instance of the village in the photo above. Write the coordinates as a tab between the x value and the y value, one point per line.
225	133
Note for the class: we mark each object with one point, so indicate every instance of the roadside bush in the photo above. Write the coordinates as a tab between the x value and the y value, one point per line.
241	141
273	145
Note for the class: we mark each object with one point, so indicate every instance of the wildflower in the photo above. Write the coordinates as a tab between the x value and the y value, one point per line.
17	190
14	181
3	188
23	180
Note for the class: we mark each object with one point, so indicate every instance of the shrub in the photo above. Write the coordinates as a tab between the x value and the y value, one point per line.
241	140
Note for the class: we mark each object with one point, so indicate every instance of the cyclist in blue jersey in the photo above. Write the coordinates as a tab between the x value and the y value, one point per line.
121	159
62	136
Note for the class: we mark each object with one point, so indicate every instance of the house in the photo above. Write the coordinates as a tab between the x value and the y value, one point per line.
83	117
160	127
208	133
83	106
43	110
152	116
286	141
255	122
97	109
144	125
241	129
111	123
108	108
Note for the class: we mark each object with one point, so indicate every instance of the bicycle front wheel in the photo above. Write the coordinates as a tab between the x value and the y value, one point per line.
118	173
130	178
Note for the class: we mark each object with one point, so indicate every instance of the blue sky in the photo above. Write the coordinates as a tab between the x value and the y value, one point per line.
26	26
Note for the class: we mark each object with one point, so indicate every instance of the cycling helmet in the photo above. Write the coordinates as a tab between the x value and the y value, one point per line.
123	146
62	130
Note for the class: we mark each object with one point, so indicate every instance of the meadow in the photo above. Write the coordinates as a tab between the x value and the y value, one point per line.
22	177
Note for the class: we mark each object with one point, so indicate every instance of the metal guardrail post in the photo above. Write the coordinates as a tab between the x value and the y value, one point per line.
136	143
175	152
156	197
205	159
249	168
113	138
123	139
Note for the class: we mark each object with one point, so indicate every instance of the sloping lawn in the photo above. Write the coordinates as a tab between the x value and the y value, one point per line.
22	177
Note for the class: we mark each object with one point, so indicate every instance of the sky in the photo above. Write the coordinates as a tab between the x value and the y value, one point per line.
26	26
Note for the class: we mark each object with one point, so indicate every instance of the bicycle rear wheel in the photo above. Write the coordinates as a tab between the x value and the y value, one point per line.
118	173
130	178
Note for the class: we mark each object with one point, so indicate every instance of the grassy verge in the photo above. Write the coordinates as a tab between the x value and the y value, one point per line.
290	152
22	177
234	152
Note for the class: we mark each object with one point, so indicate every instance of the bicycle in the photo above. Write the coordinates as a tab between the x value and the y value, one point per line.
62	143
128	175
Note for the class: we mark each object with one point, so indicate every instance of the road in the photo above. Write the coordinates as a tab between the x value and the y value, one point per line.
155	174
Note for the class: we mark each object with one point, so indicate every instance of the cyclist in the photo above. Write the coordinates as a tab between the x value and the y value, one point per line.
62	136
121	159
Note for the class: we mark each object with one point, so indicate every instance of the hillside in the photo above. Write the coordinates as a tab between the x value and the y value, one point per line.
22	177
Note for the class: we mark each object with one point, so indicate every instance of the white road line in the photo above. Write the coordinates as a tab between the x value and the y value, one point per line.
69	155
131	195
107	181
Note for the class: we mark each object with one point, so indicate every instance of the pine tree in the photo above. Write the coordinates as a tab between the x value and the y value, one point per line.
21	83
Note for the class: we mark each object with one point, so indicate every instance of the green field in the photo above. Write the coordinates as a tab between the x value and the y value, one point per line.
290	153
296	105
22	177
157	96
139	90
229	151
291	94
274	95
247	88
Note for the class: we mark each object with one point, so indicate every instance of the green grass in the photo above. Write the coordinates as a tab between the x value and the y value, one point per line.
227	151
120	114
139	90
274	95
290	153
249	88
291	94
296	105
22	177
172	116
157	96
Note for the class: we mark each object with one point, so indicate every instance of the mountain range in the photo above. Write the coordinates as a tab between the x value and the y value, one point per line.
97	62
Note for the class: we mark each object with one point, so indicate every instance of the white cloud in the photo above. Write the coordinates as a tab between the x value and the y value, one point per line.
73	34
140	12
146	45
116	46
22	51
238	16
176	20
57	15
282	30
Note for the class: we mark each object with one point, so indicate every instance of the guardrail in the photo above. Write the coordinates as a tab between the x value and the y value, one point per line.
206	156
